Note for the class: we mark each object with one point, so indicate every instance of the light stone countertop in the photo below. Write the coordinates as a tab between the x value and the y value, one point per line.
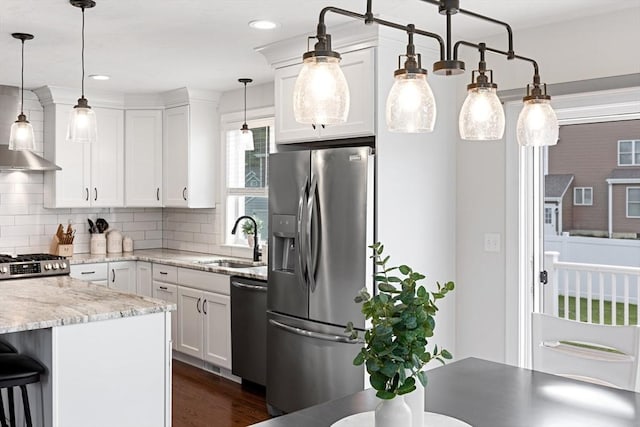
45	302
186	259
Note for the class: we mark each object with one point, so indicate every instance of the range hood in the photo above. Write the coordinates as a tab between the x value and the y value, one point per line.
20	159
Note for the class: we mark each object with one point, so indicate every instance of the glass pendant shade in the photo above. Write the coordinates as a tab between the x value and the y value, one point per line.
321	93
22	137
481	117
245	139
537	124
82	125
411	107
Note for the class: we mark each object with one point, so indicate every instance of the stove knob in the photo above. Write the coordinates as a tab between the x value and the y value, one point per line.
4	270
63	265
56	265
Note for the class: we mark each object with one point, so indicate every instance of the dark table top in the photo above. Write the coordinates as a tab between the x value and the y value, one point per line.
488	394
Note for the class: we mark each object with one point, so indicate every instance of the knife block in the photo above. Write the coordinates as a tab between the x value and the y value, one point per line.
57	249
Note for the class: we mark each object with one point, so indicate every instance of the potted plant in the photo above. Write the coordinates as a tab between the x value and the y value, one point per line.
402	316
248	231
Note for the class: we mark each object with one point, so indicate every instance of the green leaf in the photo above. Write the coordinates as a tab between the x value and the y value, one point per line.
393	279
405	269
446	354
422	376
380	278
385	287
386	395
378	381
359	359
450	286
379	249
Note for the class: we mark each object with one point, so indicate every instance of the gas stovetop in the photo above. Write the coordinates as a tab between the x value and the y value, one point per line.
32	265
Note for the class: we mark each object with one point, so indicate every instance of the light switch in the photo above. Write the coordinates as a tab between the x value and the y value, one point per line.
492	242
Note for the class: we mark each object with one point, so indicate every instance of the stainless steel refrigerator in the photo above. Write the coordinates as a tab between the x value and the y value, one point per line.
321	220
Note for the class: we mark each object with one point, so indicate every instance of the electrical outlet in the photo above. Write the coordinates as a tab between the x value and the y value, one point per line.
492	242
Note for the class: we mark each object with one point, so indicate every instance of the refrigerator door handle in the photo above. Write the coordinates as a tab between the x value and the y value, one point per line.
316	335
301	266
311	238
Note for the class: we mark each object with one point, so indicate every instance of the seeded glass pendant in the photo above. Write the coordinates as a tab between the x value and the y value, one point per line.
482	116
245	136
22	136
82	125
537	124
411	107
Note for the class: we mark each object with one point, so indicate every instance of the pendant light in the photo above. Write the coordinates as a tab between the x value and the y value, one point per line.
481	117
321	93
246	136
537	123
22	137
82	120
410	106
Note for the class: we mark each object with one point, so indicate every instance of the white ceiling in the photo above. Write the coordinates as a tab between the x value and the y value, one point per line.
157	45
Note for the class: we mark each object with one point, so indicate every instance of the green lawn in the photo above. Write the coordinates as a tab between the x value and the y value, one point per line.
595	304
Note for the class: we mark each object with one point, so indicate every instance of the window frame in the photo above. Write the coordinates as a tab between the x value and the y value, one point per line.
577	190
633	152
627	201
231	122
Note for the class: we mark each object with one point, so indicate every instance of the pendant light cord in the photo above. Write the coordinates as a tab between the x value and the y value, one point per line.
22	82
245	103
82	55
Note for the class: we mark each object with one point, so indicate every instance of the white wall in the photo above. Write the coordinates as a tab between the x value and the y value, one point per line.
578	50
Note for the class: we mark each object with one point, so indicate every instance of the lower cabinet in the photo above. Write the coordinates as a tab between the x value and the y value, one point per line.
144	279
169	293
122	276
204	317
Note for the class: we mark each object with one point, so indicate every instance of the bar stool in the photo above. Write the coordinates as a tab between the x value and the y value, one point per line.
18	370
5	348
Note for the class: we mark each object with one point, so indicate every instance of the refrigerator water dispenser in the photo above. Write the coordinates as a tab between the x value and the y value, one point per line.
283	229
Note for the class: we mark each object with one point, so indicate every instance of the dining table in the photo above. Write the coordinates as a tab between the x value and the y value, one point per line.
482	393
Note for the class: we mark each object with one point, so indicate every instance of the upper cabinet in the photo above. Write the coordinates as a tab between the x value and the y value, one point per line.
92	175
143	158
189	148
358	67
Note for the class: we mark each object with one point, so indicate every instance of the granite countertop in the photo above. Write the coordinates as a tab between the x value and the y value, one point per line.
45	302
186	259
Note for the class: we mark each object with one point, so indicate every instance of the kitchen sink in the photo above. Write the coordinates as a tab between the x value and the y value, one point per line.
228	263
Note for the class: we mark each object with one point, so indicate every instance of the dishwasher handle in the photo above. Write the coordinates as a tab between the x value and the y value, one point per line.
249	287
316	335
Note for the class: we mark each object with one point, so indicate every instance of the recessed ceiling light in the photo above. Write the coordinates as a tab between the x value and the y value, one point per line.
261	24
99	77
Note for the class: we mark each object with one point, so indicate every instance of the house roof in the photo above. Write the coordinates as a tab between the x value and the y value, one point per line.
625	173
556	185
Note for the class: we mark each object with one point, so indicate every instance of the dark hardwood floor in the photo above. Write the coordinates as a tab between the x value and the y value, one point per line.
203	399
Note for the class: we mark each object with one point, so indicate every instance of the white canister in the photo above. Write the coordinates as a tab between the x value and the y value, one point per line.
114	241
127	244
98	244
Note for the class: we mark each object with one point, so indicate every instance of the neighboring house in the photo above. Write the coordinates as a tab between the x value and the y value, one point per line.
592	186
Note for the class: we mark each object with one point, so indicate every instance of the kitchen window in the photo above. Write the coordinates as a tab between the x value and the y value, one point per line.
633	202
247	179
629	152
583	196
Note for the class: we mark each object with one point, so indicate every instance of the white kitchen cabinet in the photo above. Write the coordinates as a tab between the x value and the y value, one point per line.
144	279
164	286
169	293
122	276
359	69
143	158
95	273
204	313
189	162
92	175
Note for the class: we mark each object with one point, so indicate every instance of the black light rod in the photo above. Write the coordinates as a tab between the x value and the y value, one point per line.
500	52
390	24
510	54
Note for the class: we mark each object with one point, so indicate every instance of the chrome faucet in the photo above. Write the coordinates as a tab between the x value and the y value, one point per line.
256	248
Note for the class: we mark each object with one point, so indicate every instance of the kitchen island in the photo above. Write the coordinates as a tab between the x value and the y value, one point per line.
107	354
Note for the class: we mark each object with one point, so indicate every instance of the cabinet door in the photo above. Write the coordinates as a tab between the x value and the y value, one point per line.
175	154
143	158
69	187
190	322
122	276
217	329
107	159
168	293
287	128
144	279
359	70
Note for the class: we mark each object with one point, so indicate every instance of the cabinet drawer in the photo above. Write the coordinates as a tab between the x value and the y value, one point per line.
165	273
90	272
206	281
165	292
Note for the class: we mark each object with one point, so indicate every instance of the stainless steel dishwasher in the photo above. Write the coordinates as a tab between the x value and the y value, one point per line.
249	329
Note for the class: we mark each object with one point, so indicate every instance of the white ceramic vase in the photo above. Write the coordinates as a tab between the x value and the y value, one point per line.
415	401
393	413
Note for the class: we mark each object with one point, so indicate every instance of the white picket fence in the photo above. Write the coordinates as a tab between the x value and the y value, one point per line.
595	282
